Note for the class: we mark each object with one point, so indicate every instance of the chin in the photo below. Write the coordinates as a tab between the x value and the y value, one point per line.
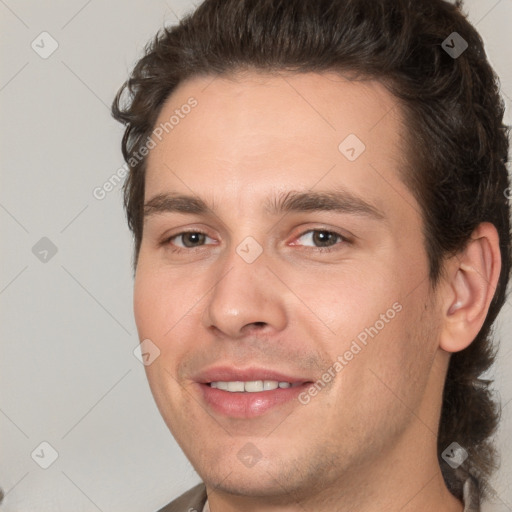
254	484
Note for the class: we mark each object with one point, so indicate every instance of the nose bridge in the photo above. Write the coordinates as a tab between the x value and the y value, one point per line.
246	292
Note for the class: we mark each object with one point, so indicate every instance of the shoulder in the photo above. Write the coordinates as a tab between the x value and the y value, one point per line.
492	506
191	501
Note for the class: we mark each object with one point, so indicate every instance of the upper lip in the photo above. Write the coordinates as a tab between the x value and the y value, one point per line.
232	374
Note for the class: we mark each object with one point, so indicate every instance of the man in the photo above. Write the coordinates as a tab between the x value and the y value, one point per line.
317	193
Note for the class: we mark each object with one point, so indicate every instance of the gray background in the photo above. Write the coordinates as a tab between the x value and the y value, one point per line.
68	373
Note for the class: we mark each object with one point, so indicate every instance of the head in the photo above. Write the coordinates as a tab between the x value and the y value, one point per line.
248	105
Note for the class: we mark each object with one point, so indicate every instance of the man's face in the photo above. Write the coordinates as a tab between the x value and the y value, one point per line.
267	287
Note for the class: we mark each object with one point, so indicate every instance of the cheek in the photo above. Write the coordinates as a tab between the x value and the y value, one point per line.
401	356
166	308
144	293
347	301
156	311
387	340
158	300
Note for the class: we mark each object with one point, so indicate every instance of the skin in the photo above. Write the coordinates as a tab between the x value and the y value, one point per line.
367	440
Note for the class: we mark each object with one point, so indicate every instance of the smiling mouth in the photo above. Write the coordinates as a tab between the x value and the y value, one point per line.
252	386
246	399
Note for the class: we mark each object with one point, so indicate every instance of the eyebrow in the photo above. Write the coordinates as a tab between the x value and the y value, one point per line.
340	201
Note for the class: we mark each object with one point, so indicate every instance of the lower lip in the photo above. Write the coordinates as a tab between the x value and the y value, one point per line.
249	405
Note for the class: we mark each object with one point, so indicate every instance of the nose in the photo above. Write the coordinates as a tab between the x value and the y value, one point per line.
247	297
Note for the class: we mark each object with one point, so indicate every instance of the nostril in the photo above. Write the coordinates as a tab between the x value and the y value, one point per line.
255	328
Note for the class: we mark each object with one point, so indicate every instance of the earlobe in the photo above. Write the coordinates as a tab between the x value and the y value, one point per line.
471	282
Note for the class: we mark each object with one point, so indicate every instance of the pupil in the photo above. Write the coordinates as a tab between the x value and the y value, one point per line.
323	236
197	236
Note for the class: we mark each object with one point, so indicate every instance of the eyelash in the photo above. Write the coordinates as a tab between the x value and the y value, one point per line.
345	240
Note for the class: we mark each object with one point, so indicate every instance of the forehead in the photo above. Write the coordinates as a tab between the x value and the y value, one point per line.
280	132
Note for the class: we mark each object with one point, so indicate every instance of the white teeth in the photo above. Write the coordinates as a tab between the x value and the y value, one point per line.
253	386
236	386
268	385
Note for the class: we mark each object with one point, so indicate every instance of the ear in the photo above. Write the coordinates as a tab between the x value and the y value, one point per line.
470	282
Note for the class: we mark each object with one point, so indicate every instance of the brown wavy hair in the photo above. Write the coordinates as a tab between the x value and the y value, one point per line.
457	142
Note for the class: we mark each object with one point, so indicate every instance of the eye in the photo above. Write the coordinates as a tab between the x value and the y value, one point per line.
322	239
189	240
